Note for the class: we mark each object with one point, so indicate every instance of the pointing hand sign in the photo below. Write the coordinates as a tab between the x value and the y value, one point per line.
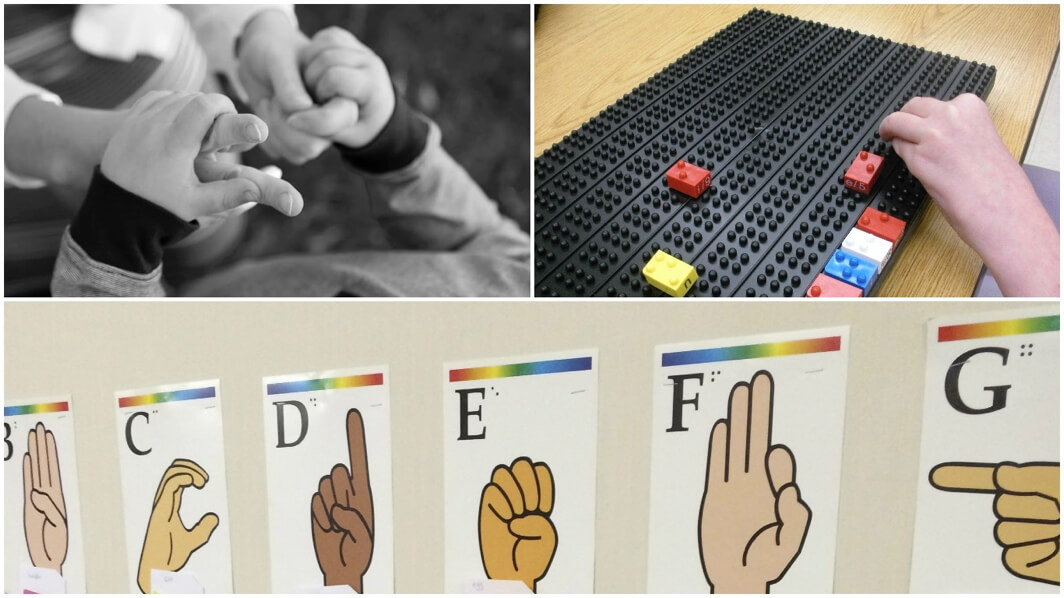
1027	505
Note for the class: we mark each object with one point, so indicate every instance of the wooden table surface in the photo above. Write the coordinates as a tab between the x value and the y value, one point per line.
588	56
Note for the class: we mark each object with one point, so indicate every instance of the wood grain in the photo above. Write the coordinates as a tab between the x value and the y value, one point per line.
588	56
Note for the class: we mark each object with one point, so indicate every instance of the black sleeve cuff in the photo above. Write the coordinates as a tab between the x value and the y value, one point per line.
398	144
122	229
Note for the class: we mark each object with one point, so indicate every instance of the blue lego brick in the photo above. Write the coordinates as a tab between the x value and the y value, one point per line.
849	268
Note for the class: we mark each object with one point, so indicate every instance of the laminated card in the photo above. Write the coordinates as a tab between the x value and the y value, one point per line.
519	473
172	464
988	492
42	512
745	464
329	481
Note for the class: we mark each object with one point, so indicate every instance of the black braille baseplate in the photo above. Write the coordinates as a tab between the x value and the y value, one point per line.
776	108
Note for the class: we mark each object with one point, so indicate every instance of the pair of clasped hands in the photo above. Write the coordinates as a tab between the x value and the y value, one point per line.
165	150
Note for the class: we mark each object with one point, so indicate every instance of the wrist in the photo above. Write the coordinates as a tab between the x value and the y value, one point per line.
402	139
344	579
739	586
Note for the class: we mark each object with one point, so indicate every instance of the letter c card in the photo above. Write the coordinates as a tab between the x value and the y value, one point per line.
172	463
519	473
988	491
329	481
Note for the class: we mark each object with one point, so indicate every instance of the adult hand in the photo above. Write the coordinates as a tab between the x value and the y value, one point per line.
353	84
341	510
1027	506
753	522
44	515
517	538
163	153
167	543
955	151
269	71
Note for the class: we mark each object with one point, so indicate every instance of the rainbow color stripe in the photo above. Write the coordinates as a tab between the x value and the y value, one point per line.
280	388
961	332
189	394
37	408
535	368
780	349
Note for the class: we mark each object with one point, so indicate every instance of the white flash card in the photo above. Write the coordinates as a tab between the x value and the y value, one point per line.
329	481
988	492
746	463
174	498
519	471
42	511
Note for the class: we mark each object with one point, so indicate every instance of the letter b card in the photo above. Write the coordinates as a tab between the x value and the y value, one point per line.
329	481
519	473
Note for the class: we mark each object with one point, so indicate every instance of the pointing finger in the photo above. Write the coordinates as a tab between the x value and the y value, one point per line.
502	478
964	477
356	453
526	481
760	419
545	482
1029	478
235	132
738	419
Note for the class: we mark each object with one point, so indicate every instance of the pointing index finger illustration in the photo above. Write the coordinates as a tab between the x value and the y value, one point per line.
964	477
356	450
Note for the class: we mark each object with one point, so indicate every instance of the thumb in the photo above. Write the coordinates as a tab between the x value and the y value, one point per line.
793	515
288	88
201	532
43	503
352	522
534	527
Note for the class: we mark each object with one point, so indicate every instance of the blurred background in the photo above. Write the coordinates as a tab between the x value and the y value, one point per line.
466	67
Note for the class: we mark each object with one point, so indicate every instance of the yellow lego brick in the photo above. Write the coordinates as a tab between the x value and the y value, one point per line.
669	274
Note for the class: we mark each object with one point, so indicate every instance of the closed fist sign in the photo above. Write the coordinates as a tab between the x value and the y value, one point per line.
517	537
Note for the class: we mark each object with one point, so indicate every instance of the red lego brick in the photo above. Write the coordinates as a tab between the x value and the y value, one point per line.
688	179
862	174
881	225
826	286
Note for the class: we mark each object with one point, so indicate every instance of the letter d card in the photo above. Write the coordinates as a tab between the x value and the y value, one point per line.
172	462
519	473
988	492
329	481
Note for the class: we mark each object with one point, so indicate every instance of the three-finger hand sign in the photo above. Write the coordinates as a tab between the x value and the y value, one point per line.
753	522
517	537
44	515
342	514
1027	506
167	543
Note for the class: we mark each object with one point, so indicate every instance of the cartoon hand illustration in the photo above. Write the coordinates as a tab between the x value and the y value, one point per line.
167	544
517	537
44	515
753	521
1027	505
342	514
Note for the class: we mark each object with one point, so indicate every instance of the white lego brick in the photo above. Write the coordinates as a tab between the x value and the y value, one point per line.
869	247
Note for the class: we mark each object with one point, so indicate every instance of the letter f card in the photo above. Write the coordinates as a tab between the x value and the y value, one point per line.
519	473
329	481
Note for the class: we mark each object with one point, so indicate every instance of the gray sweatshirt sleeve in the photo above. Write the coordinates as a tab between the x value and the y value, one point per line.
78	275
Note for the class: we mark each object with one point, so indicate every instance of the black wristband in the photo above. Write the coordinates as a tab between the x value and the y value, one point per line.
122	229
398	144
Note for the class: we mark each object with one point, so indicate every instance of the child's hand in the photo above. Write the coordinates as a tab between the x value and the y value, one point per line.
955	151
352	83
163	152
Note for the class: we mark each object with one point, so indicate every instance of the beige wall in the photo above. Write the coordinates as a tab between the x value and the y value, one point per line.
90	349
